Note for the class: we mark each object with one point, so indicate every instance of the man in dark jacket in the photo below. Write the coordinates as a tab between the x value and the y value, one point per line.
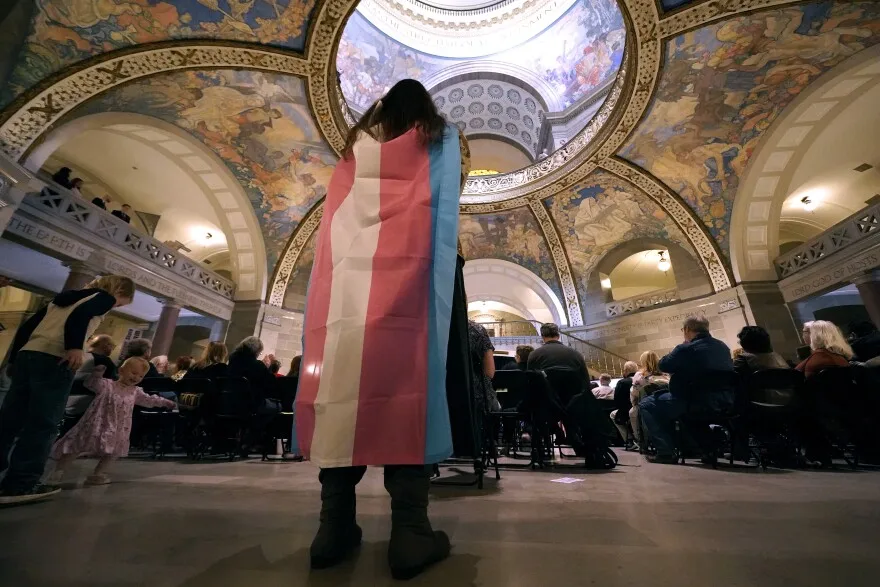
124	214
555	355
689	364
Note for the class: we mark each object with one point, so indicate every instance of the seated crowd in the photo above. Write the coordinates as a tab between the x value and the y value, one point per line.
702	381
269	395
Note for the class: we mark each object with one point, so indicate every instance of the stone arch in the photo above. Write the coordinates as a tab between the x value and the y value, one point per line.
222	189
691	279
767	181
515	286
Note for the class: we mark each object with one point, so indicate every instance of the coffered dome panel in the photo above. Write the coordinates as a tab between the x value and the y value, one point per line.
493	108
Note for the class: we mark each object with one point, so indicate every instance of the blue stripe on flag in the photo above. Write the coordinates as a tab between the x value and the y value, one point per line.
445	161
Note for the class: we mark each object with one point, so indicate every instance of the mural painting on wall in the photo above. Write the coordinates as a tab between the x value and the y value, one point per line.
575	55
602	212
63	32
260	126
723	85
298	281
513	236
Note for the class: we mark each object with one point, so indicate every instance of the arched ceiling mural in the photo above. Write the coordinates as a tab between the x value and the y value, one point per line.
258	123
63	32
723	85
602	212
255	80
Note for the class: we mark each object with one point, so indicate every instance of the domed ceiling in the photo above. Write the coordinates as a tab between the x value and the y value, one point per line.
687	91
497	70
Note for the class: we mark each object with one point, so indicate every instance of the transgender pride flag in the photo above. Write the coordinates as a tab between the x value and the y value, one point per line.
372	387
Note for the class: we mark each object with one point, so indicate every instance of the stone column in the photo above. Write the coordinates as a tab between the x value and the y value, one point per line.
763	305
868	285
245	321
165	327
80	275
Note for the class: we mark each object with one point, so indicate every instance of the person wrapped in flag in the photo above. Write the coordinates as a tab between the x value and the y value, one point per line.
372	387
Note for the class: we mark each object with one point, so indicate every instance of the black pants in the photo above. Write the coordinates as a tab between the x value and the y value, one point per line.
31	412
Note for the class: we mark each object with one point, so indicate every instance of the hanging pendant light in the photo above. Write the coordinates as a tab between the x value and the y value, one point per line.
663	264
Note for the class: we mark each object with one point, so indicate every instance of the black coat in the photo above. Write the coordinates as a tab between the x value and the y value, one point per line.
622	400
212	372
243	363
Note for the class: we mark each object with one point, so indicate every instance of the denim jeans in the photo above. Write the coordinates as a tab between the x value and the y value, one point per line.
658	413
31	413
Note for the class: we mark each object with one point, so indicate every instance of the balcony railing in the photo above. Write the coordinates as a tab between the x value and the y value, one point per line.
859	226
61	204
648	300
598	359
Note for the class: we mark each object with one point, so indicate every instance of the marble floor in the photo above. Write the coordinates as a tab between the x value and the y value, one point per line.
218	524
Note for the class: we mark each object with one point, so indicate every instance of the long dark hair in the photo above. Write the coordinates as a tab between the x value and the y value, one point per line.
406	106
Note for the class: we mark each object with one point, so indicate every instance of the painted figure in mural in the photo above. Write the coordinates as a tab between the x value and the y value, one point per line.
602	213
724	85
258	123
66	31
382	286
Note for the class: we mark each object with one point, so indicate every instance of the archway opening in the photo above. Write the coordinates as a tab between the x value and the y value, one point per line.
641	273
178	190
512	288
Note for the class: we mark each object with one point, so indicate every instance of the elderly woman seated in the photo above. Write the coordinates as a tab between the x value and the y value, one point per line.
828	349
245	362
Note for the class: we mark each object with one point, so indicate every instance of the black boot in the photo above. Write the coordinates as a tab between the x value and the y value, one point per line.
414	545
339	534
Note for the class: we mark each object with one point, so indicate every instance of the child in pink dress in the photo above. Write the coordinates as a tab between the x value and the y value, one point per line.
105	427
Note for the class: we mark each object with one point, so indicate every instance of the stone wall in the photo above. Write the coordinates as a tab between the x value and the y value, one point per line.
281	334
659	329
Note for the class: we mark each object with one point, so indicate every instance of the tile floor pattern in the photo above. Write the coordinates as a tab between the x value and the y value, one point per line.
217	524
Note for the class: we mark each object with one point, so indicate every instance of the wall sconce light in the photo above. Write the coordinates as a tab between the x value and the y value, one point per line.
663	264
605	282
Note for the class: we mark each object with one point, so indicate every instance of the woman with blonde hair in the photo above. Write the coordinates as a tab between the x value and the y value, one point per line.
828	349
212	363
648	374
46	353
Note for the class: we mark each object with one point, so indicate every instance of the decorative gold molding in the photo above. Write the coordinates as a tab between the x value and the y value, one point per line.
292	251
560	260
37	114
696	232
323	87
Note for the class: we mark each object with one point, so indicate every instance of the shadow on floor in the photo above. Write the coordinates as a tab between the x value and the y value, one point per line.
250	567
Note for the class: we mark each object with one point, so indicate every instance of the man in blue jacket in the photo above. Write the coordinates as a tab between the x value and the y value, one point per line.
689	364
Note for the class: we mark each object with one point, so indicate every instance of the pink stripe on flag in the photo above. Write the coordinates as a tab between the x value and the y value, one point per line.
319	307
394	415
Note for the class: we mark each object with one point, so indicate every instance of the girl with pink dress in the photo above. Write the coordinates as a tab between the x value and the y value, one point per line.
104	429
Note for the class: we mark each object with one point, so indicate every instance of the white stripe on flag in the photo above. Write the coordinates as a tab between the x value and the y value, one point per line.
354	236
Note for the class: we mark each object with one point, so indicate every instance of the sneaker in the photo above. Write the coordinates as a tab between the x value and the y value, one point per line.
35	493
101	479
55	478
